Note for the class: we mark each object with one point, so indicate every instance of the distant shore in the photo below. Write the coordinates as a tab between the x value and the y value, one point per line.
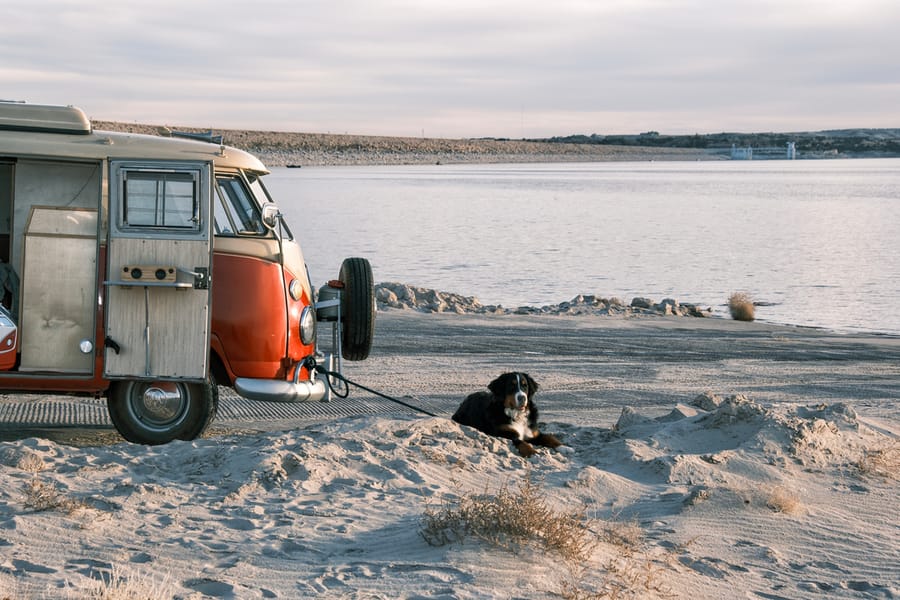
286	149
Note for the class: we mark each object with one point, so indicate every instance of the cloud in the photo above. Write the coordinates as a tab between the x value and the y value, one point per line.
467	68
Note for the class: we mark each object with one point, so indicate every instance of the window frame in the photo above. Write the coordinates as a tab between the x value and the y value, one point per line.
256	182
198	173
256	193
233	207
167	193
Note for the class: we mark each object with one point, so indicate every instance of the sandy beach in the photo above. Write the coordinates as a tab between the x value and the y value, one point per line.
703	458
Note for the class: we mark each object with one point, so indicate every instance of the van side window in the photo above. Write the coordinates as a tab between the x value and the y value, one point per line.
160	199
222	219
236	211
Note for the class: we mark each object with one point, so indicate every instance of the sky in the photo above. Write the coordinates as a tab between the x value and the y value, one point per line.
461	68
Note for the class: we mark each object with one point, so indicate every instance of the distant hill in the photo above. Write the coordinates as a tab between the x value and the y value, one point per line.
307	149
840	142
279	148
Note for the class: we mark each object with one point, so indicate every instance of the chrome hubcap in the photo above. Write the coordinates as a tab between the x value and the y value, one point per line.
161	405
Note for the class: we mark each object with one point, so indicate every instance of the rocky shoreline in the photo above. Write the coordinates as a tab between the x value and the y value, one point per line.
287	149
392	295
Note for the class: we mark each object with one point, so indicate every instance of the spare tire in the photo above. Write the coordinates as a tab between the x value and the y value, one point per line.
357	309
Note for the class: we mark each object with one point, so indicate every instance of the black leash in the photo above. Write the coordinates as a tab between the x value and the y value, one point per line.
346	389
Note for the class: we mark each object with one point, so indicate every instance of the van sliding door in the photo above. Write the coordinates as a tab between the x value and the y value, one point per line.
158	273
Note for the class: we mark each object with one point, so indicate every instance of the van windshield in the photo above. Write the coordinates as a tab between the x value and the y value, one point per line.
236	210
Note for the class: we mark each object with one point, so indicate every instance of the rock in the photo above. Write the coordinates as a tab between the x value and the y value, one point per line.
386	296
673	303
692	310
398	295
639	302
405	297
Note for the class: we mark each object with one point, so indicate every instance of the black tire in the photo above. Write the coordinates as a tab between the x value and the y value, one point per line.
158	412
357	309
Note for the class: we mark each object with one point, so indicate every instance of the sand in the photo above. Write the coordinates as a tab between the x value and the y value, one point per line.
705	458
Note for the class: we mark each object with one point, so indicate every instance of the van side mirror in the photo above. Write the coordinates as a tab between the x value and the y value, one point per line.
270	215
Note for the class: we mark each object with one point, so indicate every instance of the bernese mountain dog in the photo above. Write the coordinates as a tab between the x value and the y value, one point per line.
507	411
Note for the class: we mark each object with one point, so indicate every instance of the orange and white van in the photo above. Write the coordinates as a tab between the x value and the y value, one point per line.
150	270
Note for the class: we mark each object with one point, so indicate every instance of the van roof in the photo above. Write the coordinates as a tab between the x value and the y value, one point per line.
65	132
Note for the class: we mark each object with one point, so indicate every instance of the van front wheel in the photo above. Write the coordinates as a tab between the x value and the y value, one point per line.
157	412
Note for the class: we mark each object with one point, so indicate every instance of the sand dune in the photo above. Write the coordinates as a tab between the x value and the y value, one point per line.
776	484
738	497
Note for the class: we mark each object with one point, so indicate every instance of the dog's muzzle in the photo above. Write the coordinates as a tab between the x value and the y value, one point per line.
521	400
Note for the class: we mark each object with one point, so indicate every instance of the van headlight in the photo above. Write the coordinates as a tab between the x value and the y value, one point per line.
308	325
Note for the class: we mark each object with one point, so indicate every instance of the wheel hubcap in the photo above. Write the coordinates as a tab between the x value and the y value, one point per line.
160	403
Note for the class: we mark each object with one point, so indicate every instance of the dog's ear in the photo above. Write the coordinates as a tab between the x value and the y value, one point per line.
532	385
498	386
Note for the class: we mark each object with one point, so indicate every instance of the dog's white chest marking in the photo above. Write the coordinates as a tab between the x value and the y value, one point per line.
519	422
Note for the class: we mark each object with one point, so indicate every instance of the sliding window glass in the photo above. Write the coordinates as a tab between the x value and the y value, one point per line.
161	199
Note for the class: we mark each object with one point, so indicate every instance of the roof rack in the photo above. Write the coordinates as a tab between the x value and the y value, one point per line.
205	137
38	118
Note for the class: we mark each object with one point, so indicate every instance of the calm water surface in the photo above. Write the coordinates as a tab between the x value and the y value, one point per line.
817	241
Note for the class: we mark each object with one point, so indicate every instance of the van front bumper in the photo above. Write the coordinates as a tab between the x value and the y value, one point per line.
273	390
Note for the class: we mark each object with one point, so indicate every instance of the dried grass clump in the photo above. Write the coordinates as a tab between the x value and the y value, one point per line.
626	578
626	536
41	496
122	584
783	501
740	305
32	463
23	459
881	462
511	519
630	573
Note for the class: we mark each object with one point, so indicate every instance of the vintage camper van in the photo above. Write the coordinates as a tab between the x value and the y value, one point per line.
151	270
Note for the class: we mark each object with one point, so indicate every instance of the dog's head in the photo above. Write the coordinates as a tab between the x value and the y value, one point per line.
516	389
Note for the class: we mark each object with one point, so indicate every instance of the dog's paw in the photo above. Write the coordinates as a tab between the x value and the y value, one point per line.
548	440
526	449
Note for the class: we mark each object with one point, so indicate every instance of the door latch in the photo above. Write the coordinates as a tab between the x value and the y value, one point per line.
201	278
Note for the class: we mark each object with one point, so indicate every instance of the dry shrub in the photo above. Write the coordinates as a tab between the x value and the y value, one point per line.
740	305
882	462
625	577
23	459
783	501
122	584
41	496
32	463
624	535
510	519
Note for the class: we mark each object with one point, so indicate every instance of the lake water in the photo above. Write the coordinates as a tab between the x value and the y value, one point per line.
817	242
